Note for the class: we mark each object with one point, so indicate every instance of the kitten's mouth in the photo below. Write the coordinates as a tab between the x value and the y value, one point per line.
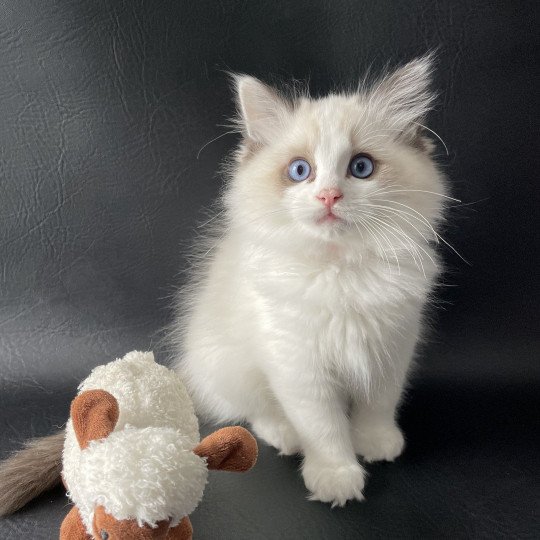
328	218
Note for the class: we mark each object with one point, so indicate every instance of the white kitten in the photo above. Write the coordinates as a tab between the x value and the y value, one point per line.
305	317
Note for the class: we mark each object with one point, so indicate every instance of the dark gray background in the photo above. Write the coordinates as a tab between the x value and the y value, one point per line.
104	106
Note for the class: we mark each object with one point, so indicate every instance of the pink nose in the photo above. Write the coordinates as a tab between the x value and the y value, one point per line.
329	196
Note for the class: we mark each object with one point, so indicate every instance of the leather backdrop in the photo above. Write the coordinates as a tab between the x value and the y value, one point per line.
104	106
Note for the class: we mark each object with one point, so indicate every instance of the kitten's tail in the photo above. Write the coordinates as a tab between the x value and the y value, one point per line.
30	471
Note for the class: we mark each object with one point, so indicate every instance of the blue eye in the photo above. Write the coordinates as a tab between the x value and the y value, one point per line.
361	166
299	170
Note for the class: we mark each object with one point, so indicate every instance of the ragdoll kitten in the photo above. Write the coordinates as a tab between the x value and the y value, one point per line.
305	315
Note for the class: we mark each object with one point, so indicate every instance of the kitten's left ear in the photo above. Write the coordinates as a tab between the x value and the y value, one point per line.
405	95
262	111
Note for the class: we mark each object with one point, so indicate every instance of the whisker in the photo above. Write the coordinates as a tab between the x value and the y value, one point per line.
400	214
424	191
205	223
433	230
215	139
374	236
391	247
436	135
229	228
421	218
418	246
469	203
412	243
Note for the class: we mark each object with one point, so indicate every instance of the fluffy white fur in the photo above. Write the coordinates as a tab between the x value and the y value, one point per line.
148	394
145	469
307	329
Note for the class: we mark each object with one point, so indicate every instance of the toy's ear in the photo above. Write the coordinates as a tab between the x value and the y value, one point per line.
94	414
229	449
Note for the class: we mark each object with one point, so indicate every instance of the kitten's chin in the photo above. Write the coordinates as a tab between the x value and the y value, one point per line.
326	227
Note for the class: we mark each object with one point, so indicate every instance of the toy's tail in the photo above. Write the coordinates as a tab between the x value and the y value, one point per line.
30	471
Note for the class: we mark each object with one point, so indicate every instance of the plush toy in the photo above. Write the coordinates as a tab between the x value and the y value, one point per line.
133	462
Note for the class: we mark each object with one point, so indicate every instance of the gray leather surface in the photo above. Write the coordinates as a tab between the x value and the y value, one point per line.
104	106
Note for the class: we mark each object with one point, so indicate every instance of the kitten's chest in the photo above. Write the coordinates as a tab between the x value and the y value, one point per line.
340	310
331	288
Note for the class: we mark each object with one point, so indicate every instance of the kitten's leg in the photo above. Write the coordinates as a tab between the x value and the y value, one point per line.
316	410
374	430
236	394
375	433
273	427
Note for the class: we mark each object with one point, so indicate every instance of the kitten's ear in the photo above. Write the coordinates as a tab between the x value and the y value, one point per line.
262	111
405	94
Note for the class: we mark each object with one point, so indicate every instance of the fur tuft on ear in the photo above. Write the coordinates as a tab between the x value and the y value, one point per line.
262	112
229	449
405	96
94	414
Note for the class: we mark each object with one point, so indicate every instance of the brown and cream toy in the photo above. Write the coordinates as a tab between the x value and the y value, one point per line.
133	462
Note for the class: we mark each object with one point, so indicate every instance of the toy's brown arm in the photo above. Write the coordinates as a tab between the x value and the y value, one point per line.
229	449
72	527
183	531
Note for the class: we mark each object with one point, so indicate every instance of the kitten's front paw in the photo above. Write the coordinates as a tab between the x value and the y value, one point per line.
335	484
280	434
384	443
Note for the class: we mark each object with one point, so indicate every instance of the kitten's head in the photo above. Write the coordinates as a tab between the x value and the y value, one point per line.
347	167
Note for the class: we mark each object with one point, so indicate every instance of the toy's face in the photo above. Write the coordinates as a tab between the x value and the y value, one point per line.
107	527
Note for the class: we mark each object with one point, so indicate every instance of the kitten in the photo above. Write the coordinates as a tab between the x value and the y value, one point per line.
304	318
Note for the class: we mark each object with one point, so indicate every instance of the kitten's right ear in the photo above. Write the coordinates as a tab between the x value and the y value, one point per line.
262	111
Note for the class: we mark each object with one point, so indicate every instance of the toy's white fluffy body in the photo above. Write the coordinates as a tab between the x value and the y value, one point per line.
307	329
145	469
